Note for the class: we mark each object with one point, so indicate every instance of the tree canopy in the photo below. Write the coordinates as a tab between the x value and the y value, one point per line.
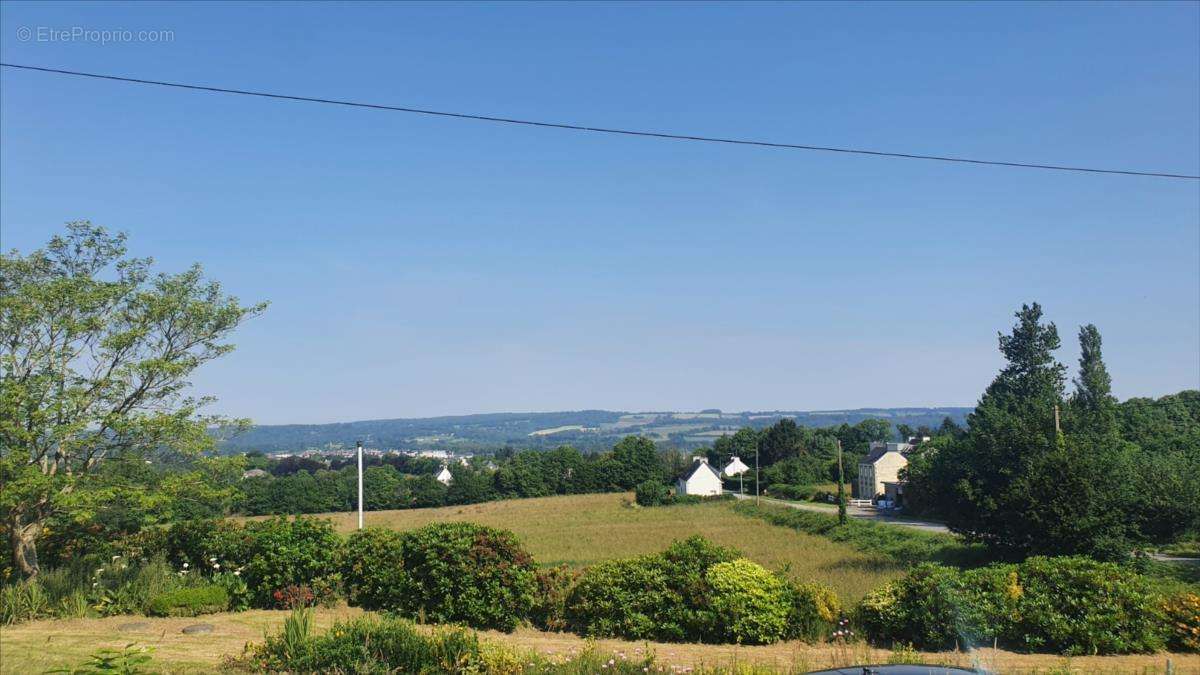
95	362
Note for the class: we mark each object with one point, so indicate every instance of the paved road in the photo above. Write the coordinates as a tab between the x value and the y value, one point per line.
861	512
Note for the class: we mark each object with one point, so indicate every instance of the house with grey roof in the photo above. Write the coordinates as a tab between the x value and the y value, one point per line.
701	479
881	465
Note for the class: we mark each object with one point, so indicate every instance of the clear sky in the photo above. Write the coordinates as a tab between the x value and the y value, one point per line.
420	266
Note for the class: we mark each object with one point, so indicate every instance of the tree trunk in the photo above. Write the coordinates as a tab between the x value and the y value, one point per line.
22	539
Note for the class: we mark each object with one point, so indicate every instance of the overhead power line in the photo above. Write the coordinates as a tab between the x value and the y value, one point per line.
603	130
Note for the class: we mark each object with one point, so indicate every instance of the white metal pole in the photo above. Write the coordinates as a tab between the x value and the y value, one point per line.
360	496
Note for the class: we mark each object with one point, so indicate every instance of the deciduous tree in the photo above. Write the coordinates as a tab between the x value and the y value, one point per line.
94	364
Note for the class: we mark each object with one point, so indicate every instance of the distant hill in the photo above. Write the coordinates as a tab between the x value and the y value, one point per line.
584	429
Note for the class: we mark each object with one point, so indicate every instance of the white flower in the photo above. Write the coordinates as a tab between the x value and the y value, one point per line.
213	560
185	566
116	557
237	573
216	566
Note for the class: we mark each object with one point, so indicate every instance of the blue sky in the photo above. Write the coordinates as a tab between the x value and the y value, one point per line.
420	266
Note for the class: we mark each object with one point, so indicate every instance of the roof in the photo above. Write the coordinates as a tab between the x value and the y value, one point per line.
880	449
734	467
696	464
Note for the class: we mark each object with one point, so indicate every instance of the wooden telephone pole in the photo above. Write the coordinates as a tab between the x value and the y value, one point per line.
841	487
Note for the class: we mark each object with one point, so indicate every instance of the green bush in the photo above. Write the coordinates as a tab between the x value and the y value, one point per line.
675	597
797	492
652	493
304	552
1068	605
924	608
1078	606
751	603
189	602
468	573
812	611
554	585
122	587
373	568
627	597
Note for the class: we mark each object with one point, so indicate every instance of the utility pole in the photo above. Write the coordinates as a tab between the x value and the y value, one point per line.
1057	421
841	487
756	498
360	494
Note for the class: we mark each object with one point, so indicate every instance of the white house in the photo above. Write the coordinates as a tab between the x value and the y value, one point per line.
881	465
735	467
444	476
701	480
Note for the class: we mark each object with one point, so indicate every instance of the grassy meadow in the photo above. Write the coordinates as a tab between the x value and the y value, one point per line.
580	530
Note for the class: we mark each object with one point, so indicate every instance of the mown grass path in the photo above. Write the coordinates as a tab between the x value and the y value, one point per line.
45	645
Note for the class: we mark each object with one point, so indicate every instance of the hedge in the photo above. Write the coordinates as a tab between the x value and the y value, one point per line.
189	601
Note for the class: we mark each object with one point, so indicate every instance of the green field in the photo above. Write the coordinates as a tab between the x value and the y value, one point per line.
579	530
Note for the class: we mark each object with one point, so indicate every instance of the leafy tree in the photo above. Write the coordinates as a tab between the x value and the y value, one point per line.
949	428
1092	408
781	441
95	356
743	443
427	491
636	460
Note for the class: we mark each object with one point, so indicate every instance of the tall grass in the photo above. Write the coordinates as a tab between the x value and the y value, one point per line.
23	601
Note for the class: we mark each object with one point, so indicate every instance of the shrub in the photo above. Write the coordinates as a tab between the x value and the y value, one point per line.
752	604
812	610
653	597
189	602
1068	605
923	608
628	598
373	568
652	493
1079	606
125	588
1182	613
239	593
463	572
798	492
554	586
283	553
